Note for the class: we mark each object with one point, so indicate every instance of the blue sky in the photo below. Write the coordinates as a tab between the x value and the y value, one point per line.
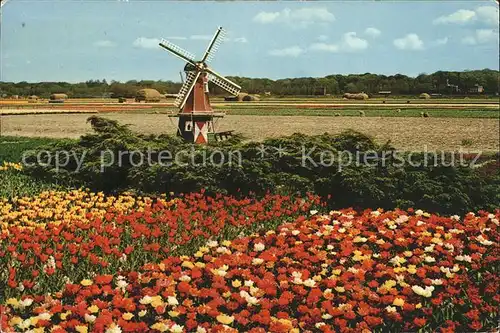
75	41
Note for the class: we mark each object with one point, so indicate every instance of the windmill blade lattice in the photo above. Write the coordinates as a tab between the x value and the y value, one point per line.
178	51
219	37
186	89
225	84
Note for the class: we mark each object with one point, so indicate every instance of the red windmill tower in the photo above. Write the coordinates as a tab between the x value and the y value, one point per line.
196	115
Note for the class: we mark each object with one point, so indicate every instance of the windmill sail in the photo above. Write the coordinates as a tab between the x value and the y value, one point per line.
178	51
214	45
196	114
222	82
186	89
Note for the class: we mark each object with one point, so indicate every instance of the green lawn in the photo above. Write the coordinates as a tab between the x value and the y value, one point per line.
255	110
15	183
336	100
369	112
13	147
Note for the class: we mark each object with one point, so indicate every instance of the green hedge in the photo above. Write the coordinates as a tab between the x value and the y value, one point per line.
384	183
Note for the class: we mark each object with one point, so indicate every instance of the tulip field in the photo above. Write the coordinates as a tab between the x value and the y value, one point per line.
78	261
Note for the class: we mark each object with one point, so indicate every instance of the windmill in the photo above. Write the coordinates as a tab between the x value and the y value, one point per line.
195	112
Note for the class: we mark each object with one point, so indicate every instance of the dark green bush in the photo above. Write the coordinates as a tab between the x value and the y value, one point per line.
383	183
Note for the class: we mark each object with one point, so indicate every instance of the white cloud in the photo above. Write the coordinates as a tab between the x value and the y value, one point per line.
200	37
104	43
441	41
176	38
325	47
460	16
409	42
469	40
297	17
486	35
208	37
484	14
266	17
147	43
312	14
488	14
322	38
153	42
349	43
293	51
481	36
372	32
238	40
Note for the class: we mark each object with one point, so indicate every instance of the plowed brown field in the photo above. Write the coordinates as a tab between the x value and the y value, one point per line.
404	132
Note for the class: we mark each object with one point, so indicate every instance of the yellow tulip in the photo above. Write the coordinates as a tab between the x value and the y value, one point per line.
86	282
225	319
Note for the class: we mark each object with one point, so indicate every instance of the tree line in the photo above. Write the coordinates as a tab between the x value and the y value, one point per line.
441	82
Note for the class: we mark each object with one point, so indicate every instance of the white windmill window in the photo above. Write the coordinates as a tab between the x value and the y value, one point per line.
188	126
210	127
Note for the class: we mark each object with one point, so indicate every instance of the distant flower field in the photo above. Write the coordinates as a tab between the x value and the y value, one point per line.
202	264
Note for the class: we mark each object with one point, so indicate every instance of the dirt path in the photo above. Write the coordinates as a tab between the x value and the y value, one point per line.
404	133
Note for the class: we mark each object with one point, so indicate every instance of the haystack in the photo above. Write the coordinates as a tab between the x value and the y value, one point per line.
238	98
148	95
250	98
33	99
58	96
424	96
231	98
359	96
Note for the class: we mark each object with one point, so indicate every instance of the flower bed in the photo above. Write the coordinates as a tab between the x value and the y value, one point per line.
68	206
104	235
375	271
